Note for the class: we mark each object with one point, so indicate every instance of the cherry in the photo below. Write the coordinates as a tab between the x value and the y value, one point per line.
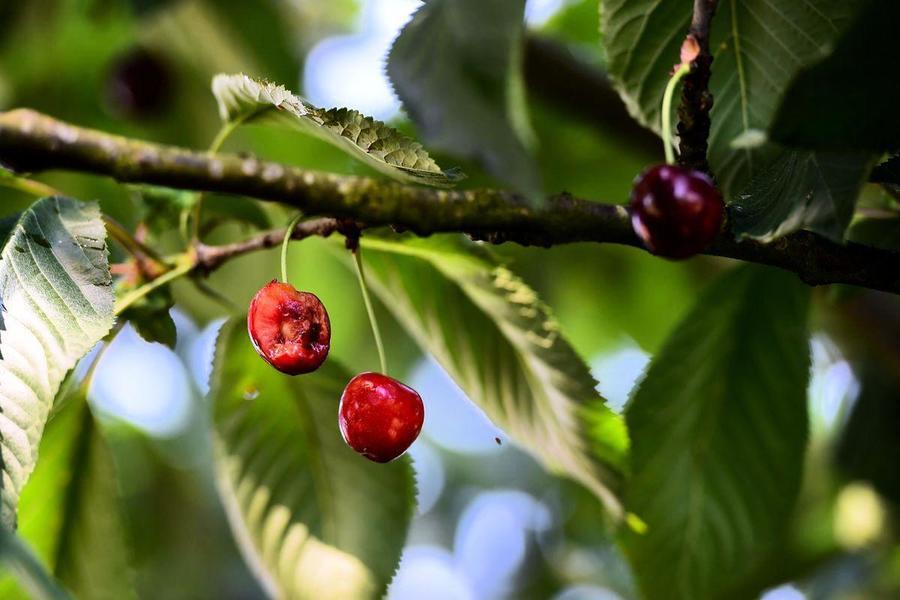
380	417
289	329
139	84
677	212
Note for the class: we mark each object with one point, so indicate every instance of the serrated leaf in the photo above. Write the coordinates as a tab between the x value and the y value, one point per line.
69	511
801	190
457	68
849	99
57	302
312	518
718	430
758	47
243	99
16	557
499	342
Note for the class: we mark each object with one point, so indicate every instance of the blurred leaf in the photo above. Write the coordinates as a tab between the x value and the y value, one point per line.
238	209
500	343
718	428
801	190
888	175
313	518
880	232
150	317
57	303
18	558
759	46
849	99
245	100
70	511
457	68
870	442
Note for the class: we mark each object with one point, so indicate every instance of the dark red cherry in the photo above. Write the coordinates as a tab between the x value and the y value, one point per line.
380	417
677	212
289	329
139	84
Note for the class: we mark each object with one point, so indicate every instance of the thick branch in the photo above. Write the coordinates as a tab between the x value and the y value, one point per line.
30	141
696	99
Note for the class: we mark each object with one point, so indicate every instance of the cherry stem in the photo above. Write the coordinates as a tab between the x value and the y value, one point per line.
376	333
682	70
284	245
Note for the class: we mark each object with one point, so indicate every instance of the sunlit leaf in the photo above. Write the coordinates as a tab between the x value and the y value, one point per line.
57	303
499	342
718	430
457	68
312	518
17	558
69	510
243	99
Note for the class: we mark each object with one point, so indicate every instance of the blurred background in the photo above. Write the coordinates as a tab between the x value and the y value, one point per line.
490	522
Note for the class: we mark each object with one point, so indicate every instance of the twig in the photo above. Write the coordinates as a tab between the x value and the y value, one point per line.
696	99
30	141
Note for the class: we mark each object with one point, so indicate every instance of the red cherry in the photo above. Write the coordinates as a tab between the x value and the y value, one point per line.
289	329
380	417
677	212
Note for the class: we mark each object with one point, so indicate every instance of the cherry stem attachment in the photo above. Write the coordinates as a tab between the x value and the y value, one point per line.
284	245
376	333
682	70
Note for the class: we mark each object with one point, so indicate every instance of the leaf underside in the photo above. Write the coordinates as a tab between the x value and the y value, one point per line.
499	342
243	99
457	67
312	518
719	428
57	303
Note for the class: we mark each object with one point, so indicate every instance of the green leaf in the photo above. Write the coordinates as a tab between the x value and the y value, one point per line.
880	232
501	345
869	444
151	318
245	100
70	512
57	302
312	518
849	99
457	67
758	45
18	558
888	175
718	429
801	190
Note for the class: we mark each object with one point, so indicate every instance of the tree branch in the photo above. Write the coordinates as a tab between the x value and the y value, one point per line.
30	141
696	99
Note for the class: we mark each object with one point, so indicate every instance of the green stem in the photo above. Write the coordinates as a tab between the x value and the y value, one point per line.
683	70
131	244
224	131
187	265
357	255
29	186
284	245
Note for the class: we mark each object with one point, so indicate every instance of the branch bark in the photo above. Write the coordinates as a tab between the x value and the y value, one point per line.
696	99
30	141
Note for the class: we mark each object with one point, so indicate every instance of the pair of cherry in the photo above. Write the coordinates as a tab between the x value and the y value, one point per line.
379	417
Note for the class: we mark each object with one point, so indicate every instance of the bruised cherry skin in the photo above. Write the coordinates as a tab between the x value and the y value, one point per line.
289	329
380	417
677	212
